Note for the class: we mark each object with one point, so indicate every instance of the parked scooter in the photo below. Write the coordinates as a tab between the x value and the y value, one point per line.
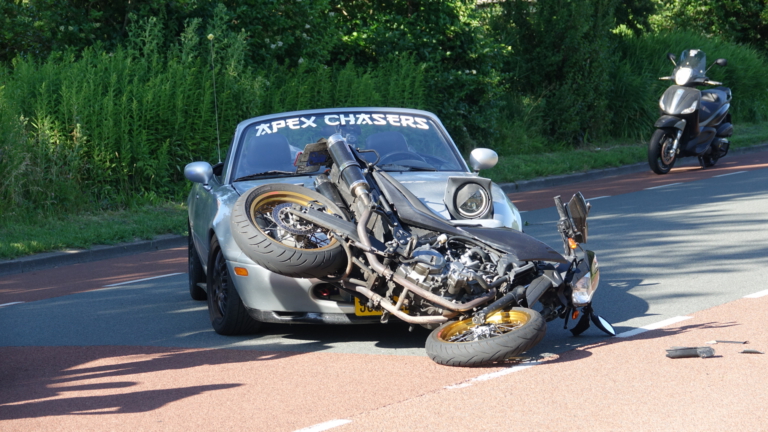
693	122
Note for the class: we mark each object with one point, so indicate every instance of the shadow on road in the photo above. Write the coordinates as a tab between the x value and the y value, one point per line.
52	381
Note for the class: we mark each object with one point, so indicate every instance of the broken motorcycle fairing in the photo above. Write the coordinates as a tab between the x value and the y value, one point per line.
475	283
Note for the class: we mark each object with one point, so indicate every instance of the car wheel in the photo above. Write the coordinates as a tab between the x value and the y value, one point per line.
504	334
228	314
281	242
195	269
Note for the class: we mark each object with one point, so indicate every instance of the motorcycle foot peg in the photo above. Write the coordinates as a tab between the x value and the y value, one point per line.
384	317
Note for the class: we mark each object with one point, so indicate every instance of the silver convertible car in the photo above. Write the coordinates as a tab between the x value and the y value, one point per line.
412	147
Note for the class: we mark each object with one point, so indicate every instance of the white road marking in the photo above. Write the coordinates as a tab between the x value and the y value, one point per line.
492	375
653	326
8	304
657	187
600	197
755	295
141	280
325	426
723	175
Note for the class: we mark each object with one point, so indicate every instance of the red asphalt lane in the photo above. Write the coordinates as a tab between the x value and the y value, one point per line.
60	281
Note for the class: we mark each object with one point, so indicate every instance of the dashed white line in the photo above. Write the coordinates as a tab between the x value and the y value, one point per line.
600	197
657	187
653	326
757	294
723	175
492	375
141	280
9	304
325	426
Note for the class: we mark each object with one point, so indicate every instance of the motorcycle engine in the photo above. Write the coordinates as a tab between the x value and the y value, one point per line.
453	274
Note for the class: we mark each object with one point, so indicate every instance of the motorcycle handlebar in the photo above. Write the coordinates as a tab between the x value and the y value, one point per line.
713	83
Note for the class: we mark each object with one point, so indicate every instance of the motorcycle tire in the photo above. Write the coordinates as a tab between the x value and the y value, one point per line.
661	139
504	334
295	248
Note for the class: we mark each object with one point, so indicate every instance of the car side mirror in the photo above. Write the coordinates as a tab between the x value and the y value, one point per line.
721	62
578	208
483	158
671	58
199	172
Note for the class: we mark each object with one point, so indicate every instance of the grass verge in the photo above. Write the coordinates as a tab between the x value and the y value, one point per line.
25	237
513	168
20	237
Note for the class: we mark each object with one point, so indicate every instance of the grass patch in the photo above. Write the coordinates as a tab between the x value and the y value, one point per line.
516	167
20	237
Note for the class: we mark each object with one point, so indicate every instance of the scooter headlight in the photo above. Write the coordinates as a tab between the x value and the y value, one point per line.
683	75
584	288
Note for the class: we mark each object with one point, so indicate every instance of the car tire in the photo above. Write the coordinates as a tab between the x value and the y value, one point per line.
529	329
253	229
195	269
228	314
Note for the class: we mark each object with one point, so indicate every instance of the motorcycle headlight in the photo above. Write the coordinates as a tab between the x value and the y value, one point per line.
683	75
585	287
691	108
472	200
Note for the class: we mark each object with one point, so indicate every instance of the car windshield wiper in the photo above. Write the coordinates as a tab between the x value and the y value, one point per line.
398	167
263	174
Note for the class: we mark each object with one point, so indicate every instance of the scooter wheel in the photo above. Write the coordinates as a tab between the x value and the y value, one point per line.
661	159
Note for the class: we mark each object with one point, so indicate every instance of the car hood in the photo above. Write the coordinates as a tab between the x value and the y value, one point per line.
429	187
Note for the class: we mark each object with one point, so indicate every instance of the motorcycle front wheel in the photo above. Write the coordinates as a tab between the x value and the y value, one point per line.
504	334
661	158
278	240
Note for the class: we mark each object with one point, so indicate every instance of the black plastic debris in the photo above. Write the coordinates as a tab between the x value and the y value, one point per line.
751	351
685	352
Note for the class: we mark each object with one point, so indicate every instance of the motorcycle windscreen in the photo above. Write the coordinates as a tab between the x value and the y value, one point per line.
525	247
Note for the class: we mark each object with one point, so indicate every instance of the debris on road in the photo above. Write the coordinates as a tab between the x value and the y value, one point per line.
751	351
712	342
685	352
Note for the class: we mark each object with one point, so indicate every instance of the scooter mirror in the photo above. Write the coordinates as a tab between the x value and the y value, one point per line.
672	58
483	158
578	209
721	62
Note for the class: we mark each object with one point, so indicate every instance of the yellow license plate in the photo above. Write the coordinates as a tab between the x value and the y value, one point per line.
364	310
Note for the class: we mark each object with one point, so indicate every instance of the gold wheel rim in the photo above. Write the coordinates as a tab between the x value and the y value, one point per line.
496	324
263	205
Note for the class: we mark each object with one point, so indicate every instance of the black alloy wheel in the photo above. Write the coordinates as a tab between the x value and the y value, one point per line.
228	314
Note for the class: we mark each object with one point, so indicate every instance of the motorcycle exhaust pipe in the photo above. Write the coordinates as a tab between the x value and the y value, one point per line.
349	168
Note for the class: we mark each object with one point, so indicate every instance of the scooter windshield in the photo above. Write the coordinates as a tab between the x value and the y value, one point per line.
692	67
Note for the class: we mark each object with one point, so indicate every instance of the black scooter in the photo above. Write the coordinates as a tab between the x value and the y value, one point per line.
693	122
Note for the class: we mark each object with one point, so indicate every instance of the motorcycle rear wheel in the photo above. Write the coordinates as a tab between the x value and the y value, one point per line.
280	241
660	158
504	334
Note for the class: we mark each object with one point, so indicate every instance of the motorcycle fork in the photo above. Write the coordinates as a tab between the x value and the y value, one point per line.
676	143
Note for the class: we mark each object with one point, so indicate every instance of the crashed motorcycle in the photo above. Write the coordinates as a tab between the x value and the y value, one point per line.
693	122
475	286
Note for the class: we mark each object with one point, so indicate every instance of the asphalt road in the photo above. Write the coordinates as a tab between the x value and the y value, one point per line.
142	355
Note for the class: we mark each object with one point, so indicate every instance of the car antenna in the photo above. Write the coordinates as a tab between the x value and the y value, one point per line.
215	100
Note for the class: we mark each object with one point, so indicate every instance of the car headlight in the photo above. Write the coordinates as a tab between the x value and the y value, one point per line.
472	200
585	287
691	108
683	75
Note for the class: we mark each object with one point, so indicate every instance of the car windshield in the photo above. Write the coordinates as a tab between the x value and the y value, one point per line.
695	60
403	142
